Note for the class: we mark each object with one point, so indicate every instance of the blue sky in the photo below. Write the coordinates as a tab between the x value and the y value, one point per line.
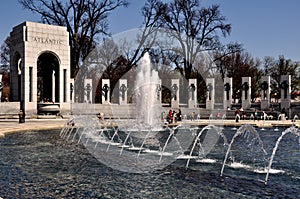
264	27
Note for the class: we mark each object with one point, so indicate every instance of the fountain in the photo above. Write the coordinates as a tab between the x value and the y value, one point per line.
291	130
246	131
40	164
205	146
142	144
145	144
147	106
264	117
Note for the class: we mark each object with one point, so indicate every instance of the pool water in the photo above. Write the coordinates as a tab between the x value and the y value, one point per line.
40	164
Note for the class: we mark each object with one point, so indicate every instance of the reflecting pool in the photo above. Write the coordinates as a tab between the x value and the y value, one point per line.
42	164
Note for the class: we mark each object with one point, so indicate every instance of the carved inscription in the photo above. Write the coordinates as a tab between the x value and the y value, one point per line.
47	40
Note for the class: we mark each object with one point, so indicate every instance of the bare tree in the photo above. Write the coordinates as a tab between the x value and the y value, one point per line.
195	29
240	65
223	53
268	62
129	51
84	19
280	67
4	69
5	55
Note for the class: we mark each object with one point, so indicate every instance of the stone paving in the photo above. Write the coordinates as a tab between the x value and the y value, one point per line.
13	125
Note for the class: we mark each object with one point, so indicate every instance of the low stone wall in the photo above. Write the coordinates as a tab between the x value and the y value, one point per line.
9	108
129	110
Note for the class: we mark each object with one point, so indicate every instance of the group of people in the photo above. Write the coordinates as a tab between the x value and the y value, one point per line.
240	114
173	116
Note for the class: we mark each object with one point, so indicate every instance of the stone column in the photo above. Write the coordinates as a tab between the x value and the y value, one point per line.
210	96
192	89
285	90
246	92
105	91
53	86
175	93
265	92
123	91
88	89
227	97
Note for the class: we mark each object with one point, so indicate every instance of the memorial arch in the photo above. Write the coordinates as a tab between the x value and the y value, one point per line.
40	67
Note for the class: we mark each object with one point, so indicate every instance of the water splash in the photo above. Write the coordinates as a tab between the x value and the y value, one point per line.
208	143
116	130
166	143
292	130
239	132
147	104
124	145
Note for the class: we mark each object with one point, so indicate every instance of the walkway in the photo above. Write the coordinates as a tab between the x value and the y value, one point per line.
12	125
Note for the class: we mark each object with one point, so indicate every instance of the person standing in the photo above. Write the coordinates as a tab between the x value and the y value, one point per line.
255	115
21	116
170	116
179	115
237	115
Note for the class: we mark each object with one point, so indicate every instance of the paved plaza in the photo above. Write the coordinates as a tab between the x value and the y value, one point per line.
13	125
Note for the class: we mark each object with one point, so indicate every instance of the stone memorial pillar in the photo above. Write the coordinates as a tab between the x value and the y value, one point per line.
192	89
265	92
123	91
227	97
88	89
105	91
210	96
175	93
246	92
285	90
